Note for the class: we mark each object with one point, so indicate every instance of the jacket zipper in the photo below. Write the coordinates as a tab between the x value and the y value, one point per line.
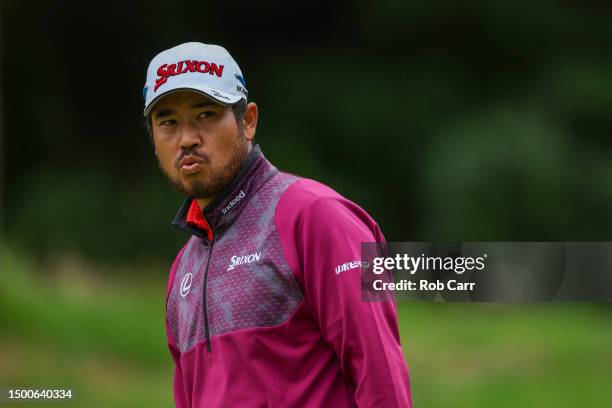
212	243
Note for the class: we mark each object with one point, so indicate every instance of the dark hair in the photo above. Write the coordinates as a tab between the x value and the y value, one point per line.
239	108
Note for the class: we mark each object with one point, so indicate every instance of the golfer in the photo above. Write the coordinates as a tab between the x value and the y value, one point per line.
263	306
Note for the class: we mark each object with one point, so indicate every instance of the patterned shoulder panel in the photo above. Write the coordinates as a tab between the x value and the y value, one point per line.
249	283
185	300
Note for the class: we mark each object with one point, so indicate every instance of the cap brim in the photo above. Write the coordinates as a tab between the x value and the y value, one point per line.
222	98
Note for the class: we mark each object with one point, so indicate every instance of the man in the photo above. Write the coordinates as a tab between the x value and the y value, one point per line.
263	304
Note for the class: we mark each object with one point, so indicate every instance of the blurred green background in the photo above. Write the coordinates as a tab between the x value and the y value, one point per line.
445	120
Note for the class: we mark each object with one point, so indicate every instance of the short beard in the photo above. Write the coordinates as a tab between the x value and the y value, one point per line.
218	182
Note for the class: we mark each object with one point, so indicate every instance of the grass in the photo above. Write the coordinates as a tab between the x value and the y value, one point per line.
67	327
541	355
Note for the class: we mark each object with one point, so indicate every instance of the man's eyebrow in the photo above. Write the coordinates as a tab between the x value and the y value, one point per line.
165	112
168	112
201	104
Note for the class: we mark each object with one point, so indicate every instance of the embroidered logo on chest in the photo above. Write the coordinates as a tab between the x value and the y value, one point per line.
186	284
245	259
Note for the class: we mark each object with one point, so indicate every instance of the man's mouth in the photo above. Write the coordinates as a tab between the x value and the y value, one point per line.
190	164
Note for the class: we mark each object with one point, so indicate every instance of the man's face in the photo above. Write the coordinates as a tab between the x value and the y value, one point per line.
198	143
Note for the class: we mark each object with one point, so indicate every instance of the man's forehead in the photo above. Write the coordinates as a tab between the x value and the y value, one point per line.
183	97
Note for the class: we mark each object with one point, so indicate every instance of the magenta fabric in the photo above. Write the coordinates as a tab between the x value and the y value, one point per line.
286	330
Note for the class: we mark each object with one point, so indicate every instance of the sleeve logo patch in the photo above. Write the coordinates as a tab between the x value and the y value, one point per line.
347	266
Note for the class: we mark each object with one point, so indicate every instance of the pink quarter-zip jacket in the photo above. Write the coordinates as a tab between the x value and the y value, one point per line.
264	306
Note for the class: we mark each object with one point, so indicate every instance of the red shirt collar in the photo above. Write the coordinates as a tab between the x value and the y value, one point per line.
196	219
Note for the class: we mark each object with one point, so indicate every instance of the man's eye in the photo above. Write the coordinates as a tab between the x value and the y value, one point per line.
206	114
168	122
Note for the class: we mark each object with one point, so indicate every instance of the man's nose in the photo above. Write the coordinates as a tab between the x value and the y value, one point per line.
190	135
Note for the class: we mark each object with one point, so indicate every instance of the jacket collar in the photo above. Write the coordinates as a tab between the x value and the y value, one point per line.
224	209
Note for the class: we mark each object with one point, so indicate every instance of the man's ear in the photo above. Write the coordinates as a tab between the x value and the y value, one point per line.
251	114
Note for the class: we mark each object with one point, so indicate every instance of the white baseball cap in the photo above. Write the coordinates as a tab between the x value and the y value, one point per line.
205	68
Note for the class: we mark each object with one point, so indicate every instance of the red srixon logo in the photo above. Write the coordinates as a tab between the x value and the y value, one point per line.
167	70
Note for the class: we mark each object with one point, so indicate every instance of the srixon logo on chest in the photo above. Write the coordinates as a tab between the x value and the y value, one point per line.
241	260
165	71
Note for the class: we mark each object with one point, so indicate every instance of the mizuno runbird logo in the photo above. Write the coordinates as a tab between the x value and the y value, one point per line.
241	260
165	71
